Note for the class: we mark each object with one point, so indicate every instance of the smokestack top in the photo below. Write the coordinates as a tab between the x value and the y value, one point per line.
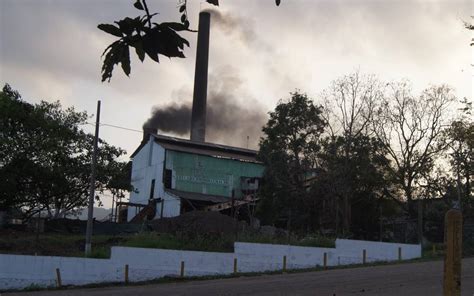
147	131
198	116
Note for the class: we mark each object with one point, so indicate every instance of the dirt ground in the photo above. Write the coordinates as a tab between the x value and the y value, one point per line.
198	222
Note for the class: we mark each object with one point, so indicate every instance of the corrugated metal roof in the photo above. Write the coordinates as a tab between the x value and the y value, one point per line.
198	196
210	149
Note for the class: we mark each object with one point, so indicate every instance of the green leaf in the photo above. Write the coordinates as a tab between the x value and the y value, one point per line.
125	60
138	5
277	2
111	29
140	51
183	18
127	25
182	8
149	46
176	26
112	56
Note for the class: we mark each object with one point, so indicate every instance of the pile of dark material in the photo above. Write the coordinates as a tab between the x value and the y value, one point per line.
198	223
76	226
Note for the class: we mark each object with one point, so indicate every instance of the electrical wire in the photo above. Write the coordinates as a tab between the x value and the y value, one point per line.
116	126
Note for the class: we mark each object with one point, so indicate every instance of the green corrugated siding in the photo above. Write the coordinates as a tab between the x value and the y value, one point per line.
211	175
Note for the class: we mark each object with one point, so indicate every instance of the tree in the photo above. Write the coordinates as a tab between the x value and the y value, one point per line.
470	27
362	173
410	129
289	150
45	157
351	103
460	136
146	38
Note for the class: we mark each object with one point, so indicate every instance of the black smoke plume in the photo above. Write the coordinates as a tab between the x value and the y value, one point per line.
232	116
232	24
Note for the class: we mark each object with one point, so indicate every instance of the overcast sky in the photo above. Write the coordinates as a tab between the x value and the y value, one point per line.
51	50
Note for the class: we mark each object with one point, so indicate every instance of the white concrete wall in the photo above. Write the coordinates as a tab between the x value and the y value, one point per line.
254	257
18	271
351	251
152	263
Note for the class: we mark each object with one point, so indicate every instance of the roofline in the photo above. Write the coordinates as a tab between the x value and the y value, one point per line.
189	143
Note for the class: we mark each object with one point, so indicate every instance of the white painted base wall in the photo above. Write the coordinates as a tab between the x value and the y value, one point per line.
20	271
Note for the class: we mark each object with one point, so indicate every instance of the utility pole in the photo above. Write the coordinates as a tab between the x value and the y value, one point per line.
90	212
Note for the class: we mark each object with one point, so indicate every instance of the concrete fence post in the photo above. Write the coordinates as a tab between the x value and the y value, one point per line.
325	260
126	273
364	256
453	253
58	278
235	265
284	263
182	269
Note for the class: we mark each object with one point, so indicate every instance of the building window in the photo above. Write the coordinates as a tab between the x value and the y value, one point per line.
167	178
152	189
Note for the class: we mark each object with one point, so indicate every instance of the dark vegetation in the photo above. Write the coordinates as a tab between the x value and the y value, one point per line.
146	38
200	231
373	161
45	159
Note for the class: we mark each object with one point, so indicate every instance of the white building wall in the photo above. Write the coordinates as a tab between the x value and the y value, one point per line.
172	205
148	165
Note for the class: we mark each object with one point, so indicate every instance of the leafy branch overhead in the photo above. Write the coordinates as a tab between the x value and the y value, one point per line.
146	37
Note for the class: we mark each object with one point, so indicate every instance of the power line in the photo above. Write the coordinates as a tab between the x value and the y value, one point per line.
121	127
116	126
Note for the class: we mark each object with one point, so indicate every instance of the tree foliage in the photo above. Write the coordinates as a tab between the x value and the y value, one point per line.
358	178
351	102
146	38
45	157
410	128
288	150
460	136
380	153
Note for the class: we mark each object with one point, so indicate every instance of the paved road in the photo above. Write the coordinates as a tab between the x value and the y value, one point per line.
394	280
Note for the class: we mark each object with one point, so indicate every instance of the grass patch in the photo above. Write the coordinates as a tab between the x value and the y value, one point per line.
180	242
307	241
73	245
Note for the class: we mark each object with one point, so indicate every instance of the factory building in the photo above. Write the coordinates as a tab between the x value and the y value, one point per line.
171	176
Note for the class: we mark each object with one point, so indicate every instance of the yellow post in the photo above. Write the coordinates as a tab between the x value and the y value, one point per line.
364	256
284	263
126	273
453	252
235	265
182	269
325	260
399	253
58	278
